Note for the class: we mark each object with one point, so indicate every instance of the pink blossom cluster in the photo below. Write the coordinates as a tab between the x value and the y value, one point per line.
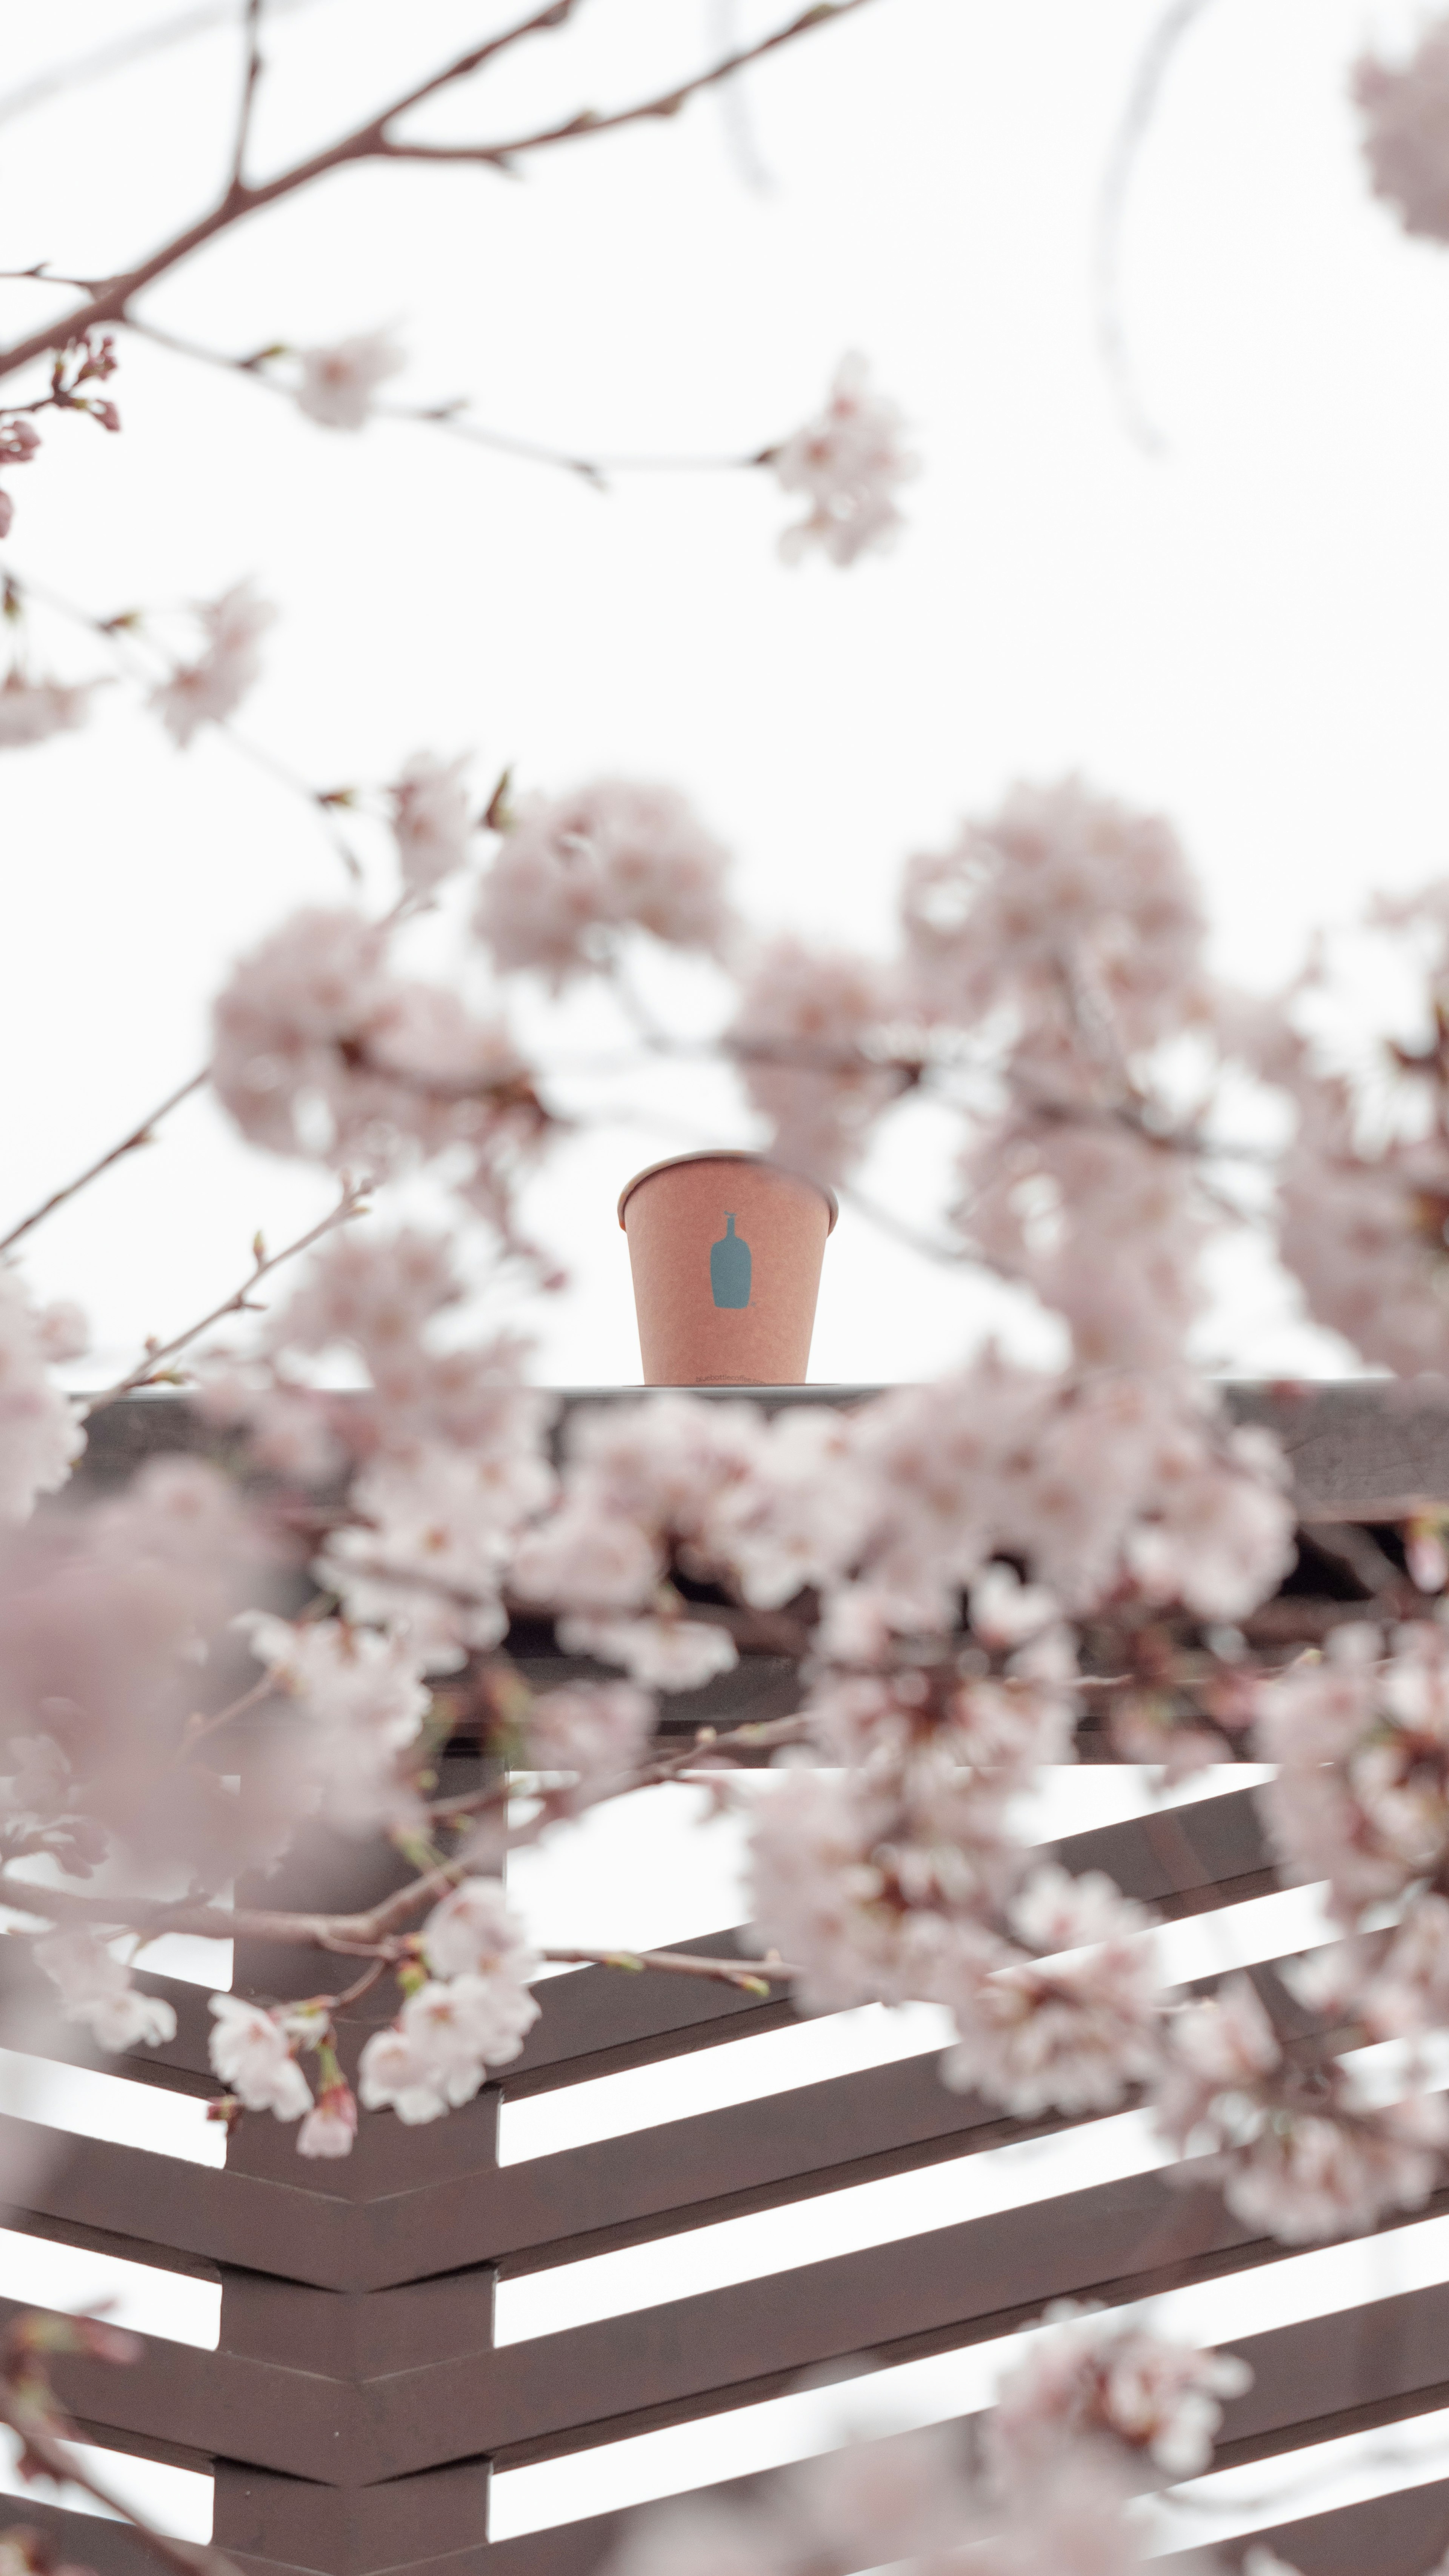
574	874
474	2012
1299	2151
848	462
40	1429
110	1620
808	1042
323	1052
1094	2379
211	688
1072	2430
432	820
1071	913
32	710
363	1701
468	2008
1404	108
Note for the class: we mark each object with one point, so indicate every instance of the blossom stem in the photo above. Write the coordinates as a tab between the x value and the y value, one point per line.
756	1979
46	2442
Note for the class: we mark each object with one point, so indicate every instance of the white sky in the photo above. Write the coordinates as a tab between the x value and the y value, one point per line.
1246	633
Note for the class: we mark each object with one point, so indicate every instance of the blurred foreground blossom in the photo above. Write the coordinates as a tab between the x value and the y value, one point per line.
210	689
338	383
1405	112
32	710
431	820
576	871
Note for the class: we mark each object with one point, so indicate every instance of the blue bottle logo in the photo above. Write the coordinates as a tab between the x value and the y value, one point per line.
729	1268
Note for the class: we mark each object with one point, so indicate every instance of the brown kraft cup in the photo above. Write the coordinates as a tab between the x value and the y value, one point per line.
726	1250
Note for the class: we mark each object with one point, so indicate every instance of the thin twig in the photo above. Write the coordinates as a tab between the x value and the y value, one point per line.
452	417
52	2450
251	81
754	1979
75	72
147	1372
1142	98
139	1136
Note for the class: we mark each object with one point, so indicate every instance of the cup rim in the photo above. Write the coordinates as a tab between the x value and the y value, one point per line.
728	1154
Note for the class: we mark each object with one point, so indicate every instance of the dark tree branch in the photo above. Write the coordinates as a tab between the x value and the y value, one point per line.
372	141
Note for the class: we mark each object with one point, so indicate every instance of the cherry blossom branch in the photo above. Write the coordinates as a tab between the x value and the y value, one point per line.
664	103
28	2405
151	1370
145	1134
452	417
373	141
753	1980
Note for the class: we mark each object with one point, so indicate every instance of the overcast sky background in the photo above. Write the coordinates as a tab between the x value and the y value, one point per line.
1246	632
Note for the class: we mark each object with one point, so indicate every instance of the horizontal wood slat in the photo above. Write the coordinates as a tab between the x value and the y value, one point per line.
934	2292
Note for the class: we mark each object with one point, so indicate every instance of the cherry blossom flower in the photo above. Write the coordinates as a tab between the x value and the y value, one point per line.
32	710
447	2035
365	1702
1299	2156
1096	2379
431	820
575	873
252	2052
1067	2034
210	689
1361	1744
40	1429
97	1991
473	1934
806	1040
1405	113
848	462
338	383
331	2125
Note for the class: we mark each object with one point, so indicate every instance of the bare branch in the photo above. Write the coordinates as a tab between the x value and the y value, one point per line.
47	2444
145	1134
151	1370
664	103
372	141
